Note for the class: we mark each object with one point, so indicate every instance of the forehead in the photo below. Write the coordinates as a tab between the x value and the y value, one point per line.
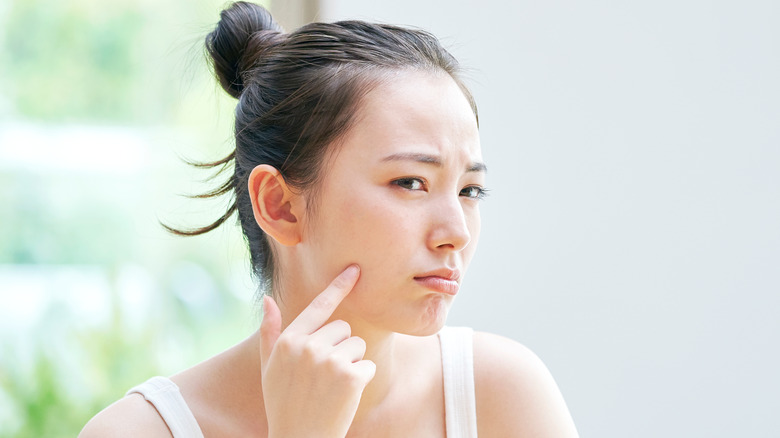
415	112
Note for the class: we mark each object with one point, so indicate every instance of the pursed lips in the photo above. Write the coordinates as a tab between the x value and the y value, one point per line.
441	280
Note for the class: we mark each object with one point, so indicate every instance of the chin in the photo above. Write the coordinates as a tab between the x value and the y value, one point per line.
427	331
421	316
431	321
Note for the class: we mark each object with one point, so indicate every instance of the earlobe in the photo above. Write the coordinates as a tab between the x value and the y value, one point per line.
272	204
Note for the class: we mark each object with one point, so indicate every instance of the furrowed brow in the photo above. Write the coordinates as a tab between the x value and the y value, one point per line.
476	166
420	158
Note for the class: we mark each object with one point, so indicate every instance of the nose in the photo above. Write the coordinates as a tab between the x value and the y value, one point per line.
449	227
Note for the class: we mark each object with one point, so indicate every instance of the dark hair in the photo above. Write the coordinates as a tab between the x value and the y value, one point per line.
298	93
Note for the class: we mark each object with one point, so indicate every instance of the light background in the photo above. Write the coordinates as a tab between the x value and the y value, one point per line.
632	238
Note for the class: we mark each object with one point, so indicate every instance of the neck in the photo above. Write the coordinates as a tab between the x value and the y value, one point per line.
381	348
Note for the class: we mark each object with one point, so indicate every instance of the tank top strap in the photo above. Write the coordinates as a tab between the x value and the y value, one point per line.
457	360
165	396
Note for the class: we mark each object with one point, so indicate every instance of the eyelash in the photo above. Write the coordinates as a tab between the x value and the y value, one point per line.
404	182
482	192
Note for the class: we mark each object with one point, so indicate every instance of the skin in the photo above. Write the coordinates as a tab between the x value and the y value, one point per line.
348	346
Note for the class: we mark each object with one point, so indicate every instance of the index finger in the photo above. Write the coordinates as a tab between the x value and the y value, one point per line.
323	305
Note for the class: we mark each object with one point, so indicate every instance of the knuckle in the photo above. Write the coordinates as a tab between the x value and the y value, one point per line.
284	343
343	326
354	380
339	369
310	349
287	344
335	364
360	342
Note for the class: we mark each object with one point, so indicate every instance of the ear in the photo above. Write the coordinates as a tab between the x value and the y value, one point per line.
272	204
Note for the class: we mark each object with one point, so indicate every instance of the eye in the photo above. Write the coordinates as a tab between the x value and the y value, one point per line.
474	192
410	183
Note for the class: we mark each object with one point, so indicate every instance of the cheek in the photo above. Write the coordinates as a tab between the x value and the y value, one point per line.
380	232
475	226
365	229
376	235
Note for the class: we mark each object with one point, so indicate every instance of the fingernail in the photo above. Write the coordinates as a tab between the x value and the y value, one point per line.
353	270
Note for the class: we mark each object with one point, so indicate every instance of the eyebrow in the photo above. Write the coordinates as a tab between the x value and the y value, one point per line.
476	166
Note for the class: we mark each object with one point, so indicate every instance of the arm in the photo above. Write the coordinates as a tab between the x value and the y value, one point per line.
516	394
131	416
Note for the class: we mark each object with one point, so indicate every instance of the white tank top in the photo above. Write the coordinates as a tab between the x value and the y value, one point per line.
457	371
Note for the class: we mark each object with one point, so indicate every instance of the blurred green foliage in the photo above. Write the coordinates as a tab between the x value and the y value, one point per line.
133	69
70	59
48	407
81	60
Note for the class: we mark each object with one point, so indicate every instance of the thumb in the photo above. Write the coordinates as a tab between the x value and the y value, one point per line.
270	328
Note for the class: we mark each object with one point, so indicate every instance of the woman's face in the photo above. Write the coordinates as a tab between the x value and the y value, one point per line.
399	197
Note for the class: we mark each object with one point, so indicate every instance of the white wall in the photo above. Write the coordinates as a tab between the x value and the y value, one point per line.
632	238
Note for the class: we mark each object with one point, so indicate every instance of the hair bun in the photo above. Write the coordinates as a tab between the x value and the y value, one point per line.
245	31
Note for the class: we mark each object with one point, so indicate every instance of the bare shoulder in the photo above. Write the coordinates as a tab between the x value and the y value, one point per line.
516	394
131	416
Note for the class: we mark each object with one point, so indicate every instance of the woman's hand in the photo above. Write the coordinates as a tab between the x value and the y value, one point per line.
313	374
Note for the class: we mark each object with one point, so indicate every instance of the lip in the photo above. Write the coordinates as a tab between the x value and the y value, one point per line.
441	280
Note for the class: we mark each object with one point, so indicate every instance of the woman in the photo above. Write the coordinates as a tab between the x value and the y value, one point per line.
357	182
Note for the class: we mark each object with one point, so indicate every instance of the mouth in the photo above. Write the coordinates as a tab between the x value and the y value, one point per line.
444	281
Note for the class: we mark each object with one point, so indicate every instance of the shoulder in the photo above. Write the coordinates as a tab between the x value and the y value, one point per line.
516	394
131	416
